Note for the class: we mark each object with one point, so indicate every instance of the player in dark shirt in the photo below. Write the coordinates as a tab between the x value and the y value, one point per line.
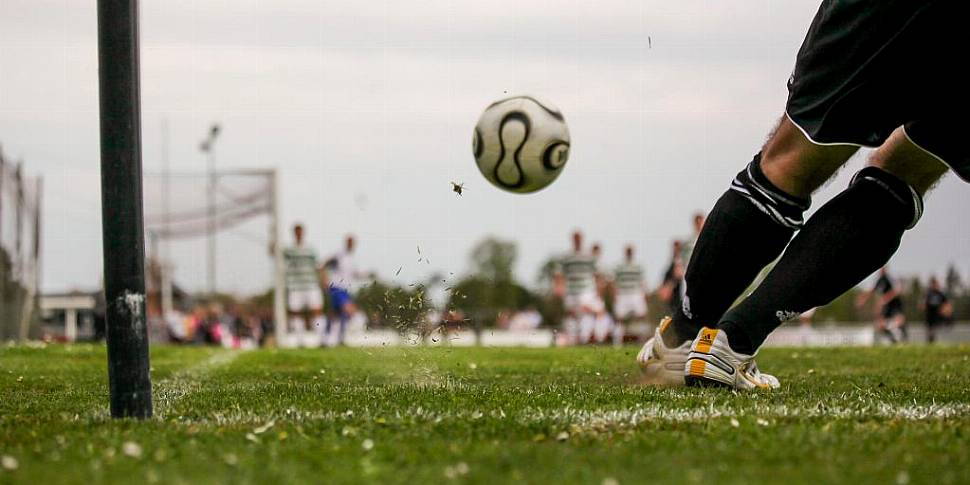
672	288
890	319
937	308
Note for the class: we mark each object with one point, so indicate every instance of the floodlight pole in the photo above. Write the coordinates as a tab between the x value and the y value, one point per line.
122	219
208	147
164	264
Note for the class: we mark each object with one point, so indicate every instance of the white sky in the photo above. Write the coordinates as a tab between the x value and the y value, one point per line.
367	110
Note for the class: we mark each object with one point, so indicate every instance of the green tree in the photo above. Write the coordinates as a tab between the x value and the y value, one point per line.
958	293
491	287
953	284
912	296
843	309
494	259
402	308
547	270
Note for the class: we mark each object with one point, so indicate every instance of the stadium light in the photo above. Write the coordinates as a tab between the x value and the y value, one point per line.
208	147
122	223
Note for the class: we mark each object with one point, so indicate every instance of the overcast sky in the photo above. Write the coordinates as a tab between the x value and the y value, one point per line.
367	110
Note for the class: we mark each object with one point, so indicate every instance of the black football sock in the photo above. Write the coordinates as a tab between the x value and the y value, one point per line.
747	229
850	237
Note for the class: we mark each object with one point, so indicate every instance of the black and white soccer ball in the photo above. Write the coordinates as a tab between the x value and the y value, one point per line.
521	143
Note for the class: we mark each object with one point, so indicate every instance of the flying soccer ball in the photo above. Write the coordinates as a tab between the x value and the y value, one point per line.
521	144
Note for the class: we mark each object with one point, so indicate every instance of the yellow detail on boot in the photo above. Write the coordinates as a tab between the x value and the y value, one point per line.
697	367
664	324
706	339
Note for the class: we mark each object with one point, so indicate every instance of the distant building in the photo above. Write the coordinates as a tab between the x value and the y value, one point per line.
73	316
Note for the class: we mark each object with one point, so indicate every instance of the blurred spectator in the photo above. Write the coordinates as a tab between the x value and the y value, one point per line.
671	289
525	320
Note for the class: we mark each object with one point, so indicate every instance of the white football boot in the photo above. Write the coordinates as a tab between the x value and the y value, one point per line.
712	362
662	365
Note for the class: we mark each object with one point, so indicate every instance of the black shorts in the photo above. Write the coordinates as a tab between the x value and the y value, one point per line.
892	308
867	67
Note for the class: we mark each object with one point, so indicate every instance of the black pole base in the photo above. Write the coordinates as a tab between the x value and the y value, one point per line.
122	223
137	404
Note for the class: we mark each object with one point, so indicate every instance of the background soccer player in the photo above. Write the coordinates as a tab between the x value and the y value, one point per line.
581	301
877	74
630	303
304	300
890	318
671	288
937	309
342	276
603	324
687	247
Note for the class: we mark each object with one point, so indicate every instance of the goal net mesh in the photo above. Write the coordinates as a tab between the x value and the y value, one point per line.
236	208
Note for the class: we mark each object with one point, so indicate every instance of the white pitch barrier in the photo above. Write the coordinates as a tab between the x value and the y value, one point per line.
388	338
787	336
806	336
465	338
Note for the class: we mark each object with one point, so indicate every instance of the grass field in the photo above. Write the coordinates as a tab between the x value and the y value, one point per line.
419	415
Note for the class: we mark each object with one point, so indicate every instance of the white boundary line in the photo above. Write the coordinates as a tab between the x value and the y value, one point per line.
605	418
170	391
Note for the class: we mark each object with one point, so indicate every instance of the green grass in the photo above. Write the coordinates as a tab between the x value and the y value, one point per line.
419	415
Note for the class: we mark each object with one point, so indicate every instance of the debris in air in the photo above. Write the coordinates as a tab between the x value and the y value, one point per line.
457	188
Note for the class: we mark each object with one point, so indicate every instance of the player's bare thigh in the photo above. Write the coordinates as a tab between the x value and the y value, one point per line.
798	166
910	163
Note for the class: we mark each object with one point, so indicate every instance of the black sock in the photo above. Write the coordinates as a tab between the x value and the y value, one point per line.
846	240
747	229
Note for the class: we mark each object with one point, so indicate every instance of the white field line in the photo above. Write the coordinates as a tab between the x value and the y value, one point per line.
171	390
602	418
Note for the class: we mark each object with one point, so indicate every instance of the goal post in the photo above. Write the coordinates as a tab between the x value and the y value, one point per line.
183	210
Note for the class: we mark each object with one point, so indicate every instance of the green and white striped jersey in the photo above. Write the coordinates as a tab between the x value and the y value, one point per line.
628	278
301	268
579	270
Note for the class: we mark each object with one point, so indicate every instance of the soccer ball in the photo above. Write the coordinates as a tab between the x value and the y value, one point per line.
521	144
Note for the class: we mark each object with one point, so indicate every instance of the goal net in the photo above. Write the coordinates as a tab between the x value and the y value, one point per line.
212	237
20	200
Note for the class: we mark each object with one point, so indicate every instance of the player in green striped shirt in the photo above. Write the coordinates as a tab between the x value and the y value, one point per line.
304	299
630	302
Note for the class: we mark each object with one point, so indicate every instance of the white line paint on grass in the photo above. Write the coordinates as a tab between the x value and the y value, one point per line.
615	419
172	390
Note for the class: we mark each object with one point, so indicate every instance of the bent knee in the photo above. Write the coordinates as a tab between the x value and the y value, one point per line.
796	164
908	162
903	198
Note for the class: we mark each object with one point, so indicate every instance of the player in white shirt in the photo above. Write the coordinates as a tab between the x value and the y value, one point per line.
629	303
581	301
603	323
343	277
304	300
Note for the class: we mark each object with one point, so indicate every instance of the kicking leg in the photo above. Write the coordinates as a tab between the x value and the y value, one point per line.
751	224
850	237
